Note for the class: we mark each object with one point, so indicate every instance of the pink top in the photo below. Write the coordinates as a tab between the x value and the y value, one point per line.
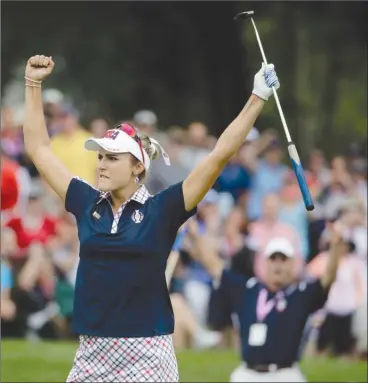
348	291
261	233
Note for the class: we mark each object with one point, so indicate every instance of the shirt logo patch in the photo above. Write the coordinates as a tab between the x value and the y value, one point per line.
137	216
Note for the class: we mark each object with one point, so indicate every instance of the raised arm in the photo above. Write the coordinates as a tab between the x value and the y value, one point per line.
171	264
205	250
329	275
36	138
200	180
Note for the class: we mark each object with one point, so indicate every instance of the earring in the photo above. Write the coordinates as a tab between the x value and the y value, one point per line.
136	180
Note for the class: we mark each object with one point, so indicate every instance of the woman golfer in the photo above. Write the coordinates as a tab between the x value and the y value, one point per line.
122	309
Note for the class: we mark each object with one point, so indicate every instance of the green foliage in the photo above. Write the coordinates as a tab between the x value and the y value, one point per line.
351	114
320	56
187	61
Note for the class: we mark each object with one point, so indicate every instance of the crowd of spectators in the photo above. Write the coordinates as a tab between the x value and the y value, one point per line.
255	198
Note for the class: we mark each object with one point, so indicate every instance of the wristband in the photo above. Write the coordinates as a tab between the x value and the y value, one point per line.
33	86
34	81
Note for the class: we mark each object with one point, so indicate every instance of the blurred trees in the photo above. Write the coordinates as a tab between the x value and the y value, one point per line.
186	61
321	56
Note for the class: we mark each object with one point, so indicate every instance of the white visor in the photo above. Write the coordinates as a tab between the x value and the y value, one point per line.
117	141
279	245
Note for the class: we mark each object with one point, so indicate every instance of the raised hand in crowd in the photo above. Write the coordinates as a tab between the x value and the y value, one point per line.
336	239
206	250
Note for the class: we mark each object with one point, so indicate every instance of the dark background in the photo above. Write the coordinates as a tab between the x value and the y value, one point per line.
186	61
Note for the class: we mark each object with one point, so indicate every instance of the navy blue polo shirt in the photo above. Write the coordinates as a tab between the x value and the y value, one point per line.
121	287
238	295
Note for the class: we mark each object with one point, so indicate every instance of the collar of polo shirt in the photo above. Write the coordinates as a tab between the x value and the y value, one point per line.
117	141
140	196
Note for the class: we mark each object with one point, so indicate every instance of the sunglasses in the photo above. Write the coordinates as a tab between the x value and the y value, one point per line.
129	130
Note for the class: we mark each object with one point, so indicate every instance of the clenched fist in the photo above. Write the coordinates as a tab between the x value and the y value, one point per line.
39	67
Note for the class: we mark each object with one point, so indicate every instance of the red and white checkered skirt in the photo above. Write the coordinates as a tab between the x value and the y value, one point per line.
125	360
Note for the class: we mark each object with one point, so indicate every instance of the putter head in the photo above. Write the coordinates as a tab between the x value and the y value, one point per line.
244	15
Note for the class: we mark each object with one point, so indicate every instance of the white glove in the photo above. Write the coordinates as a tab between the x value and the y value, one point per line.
264	80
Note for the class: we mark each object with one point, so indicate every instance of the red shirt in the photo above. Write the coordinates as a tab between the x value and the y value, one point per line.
9	185
26	236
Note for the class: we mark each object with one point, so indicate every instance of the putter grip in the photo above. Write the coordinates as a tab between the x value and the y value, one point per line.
299	172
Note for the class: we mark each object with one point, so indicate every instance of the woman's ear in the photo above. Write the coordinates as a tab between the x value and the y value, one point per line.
139	168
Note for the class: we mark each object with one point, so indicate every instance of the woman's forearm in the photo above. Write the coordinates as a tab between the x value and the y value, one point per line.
34	128
233	137
208	255
36	138
330	272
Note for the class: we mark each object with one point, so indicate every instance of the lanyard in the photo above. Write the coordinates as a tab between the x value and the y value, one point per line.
264	306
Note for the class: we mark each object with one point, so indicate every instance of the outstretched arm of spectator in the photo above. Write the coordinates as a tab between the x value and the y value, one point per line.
36	138
200	180
37	270
171	264
250	155
205	250
329	276
8	308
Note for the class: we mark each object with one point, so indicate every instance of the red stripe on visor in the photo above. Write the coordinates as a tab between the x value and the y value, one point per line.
131	132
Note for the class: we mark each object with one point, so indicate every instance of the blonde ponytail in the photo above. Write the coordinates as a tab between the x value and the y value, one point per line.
153	150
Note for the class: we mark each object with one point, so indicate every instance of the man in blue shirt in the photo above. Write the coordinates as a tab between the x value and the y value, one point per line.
270	316
268	177
235	179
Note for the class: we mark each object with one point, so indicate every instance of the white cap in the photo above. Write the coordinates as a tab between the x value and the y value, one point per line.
145	117
117	141
279	245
